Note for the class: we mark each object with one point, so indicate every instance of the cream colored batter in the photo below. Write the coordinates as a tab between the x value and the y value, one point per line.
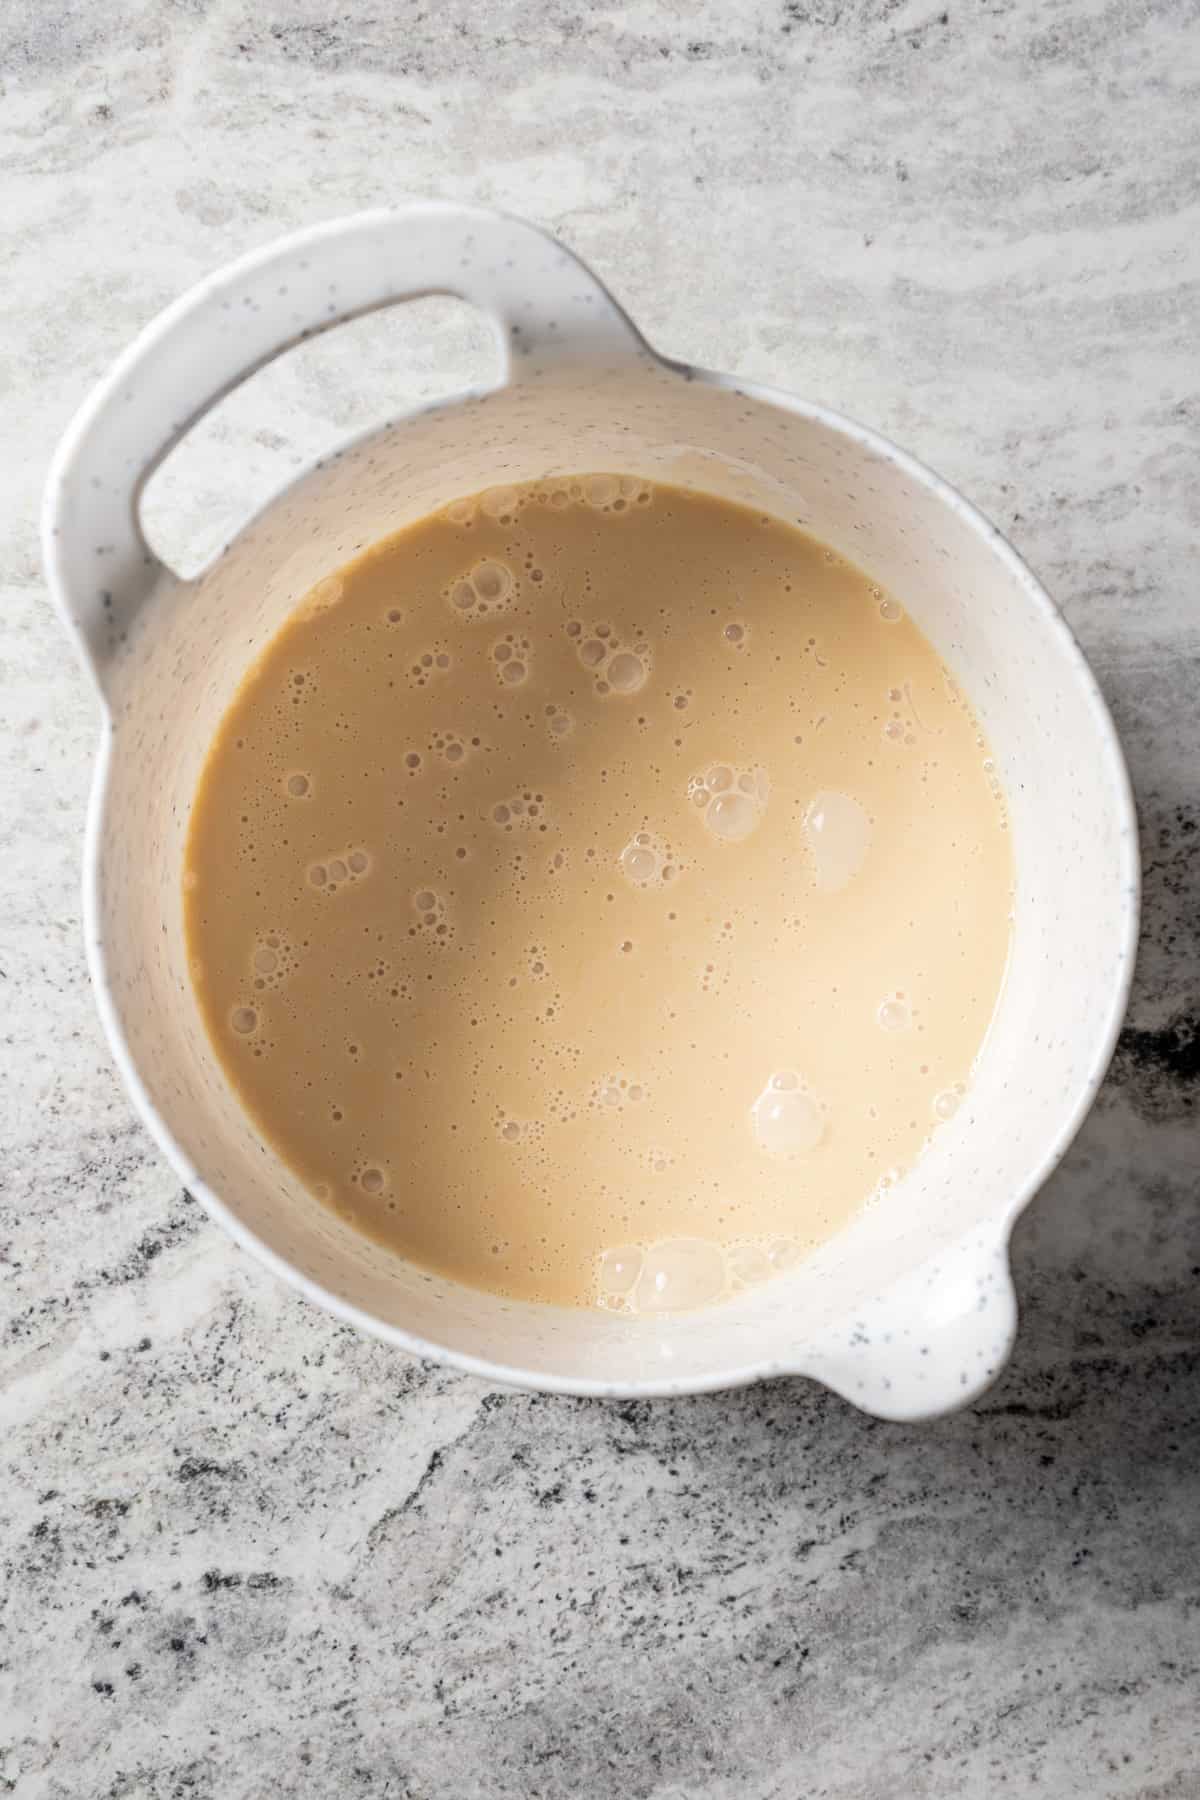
597	891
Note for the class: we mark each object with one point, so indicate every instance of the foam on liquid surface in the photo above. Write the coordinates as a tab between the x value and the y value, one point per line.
597	892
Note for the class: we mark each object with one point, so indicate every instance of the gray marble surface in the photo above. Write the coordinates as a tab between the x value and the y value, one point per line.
243	1551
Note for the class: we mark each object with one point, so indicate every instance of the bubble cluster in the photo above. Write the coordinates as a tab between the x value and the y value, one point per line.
512	658
429	664
996	790
612	493
615	1091
432	919
786	1119
517	812
333	872
452	747
301	685
685	1274
837	832
485	590
901	726
648	860
616	667
501	504
731	801
272	959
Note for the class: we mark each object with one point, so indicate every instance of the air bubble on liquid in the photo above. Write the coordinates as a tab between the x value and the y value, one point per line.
298	785
646	860
372	1180
461	512
484	591
782	1253
244	1020
732	800
492	581
731	816
525	811
678	1275
786	1119
499	502
837	832
618	1270
626	672
735	634
890	611
600	491
559	724
272	960
947	1103
893	1015
592	653
324	595
747	1264
429	663
512	659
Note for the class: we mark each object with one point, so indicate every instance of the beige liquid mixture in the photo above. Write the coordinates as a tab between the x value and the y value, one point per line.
597	891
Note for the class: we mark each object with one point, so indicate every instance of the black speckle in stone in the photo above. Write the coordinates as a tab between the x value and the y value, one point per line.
1159	1070
192	1468
214	1581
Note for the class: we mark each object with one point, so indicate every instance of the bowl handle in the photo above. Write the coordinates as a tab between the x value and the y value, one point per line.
546	307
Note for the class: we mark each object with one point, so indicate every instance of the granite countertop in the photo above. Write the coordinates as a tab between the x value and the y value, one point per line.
246	1552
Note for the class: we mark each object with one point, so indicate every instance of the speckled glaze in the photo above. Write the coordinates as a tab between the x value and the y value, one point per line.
910	1310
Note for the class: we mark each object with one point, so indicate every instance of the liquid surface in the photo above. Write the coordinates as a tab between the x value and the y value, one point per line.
597	891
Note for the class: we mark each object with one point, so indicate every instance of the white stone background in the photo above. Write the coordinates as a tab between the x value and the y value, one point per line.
245	1552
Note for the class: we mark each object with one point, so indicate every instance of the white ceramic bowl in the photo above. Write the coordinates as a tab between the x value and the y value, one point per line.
910	1309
